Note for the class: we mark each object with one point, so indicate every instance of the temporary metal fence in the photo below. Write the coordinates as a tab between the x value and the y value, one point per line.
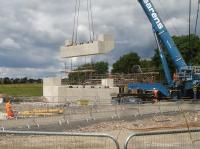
179	139
55	140
46	113
35	114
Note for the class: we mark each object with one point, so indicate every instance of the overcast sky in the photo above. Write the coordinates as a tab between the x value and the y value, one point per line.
31	31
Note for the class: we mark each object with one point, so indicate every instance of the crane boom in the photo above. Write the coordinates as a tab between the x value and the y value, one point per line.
187	77
164	63
164	36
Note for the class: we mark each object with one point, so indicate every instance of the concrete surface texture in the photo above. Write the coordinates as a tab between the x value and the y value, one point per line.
53	91
104	44
52	81
107	82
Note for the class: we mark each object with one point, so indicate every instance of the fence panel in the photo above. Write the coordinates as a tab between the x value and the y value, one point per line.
179	139
37	114
54	140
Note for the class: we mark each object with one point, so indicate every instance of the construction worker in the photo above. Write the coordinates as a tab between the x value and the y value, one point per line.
194	88
10	113
175	77
155	94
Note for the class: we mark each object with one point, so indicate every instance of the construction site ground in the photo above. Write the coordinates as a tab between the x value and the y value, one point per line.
121	121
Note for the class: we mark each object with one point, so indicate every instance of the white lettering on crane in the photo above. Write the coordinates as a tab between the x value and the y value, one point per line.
153	14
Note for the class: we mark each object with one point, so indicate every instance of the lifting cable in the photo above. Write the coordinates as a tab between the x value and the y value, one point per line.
167	15
197	17
74	24
77	20
189	33
89	22
91	13
190	5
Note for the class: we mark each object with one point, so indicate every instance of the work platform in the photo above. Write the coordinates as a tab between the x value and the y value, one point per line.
104	44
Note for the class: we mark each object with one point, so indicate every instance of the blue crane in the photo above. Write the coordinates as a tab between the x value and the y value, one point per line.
188	75
161	31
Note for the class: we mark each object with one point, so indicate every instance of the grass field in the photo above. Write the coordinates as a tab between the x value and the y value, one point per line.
21	89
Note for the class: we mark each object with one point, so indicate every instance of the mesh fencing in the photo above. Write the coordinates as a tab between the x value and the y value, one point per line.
41	113
50	140
180	139
35	114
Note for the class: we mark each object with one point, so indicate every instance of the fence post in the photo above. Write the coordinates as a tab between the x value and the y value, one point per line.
139	109
127	141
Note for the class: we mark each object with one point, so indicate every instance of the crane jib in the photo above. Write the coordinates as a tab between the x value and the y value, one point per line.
163	35
189	75
154	15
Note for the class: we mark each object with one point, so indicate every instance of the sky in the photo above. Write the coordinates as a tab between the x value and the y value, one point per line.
32	31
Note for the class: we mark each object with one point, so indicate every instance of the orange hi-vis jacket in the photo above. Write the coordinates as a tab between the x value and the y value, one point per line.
9	111
155	92
175	77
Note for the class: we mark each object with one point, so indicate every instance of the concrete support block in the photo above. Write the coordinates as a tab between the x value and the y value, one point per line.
107	82
54	81
104	44
50	88
63	93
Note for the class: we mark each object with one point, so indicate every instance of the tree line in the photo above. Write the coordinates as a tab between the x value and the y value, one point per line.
23	80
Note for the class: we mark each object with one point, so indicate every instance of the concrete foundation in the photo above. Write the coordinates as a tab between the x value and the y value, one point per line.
107	82
104	44
62	93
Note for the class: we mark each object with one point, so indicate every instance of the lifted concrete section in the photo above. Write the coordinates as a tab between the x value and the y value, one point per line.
104	44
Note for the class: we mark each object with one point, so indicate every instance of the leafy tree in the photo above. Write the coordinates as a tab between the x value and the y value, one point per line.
101	67
24	80
6	80
86	66
146	64
191	56
76	77
98	67
126	63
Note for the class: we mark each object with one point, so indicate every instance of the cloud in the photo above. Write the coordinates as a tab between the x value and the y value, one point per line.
9	43
32	31
28	72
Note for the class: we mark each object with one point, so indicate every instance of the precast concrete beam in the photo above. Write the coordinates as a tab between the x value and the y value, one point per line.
104	44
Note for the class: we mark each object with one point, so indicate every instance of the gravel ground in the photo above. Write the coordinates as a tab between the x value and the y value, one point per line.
150	123
145	120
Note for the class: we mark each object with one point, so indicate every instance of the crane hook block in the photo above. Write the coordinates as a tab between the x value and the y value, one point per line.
104	44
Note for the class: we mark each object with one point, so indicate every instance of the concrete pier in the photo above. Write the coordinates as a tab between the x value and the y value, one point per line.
53	91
